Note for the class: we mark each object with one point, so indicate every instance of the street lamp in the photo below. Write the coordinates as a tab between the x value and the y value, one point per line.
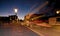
16	10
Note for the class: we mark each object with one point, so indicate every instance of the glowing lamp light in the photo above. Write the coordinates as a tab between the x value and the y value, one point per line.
58	12
16	10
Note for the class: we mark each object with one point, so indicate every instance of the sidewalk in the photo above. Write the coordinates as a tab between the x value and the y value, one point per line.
43	31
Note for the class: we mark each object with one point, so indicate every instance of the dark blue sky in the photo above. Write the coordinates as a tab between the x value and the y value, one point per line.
7	6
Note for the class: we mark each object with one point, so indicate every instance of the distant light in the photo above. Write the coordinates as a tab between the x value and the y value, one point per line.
58	12
16	10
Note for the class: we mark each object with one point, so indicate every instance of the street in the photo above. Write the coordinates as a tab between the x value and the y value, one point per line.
13	30
29	18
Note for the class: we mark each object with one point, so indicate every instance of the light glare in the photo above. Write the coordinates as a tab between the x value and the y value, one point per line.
15	10
58	12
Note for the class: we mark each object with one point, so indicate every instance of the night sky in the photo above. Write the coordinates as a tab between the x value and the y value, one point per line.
24	6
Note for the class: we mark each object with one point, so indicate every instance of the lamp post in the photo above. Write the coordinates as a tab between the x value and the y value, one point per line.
16	10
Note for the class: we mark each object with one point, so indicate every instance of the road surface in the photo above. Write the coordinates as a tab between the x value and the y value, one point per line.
11	30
